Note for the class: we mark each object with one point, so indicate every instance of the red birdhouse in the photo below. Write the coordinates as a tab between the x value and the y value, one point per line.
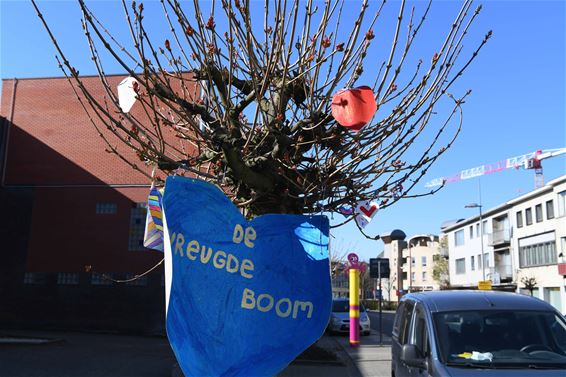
353	108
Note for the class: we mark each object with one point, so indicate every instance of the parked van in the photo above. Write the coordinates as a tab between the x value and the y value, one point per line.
477	333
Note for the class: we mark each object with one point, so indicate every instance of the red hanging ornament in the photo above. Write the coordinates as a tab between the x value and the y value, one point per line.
354	108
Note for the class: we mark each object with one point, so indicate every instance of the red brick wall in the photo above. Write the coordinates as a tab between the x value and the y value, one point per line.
54	148
48	110
68	234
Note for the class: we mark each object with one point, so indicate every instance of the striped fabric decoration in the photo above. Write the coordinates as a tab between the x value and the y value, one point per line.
153	235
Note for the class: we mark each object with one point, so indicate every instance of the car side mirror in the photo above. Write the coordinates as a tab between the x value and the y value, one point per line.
413	357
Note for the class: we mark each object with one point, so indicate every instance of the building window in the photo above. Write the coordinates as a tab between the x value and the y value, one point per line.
423	261
460	266
413	277
479	260
471	231
552	296
137	227
540	254
484	227
529	216
486	260
34	278
459	237
413	262
549	210
473	263
538	212
106	208
520	219
562	203
141	281
424	275
100	279
477	229
68	278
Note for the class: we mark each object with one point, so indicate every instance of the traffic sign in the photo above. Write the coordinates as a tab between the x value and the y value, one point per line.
484	285
379	268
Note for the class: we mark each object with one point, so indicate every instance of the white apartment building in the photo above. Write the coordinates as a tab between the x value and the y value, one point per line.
524	237
411	263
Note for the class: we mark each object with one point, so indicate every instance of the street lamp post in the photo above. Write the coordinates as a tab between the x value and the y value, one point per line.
476	205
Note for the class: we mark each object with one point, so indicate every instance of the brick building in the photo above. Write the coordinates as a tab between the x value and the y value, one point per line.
72	214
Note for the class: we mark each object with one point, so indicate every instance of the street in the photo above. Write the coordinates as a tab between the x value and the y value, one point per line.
387	322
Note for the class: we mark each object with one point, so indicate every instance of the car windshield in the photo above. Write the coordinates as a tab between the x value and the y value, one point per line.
501	338
342	306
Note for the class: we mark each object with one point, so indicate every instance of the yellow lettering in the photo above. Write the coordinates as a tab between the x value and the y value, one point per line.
247	265
232	264
204	256
269	302
179	244
219	263
192	247
238	234
278	308
249	237
303	305
172	239
248	300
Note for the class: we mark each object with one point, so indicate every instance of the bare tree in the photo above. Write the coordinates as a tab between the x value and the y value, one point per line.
530	283
440	269
260	125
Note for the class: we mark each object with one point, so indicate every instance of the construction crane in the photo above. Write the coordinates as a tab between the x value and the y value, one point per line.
526	161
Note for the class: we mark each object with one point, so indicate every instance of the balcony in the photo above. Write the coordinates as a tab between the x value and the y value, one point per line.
499	237
505	271
444	252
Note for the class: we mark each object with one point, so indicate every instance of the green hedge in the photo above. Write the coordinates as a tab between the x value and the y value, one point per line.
374	305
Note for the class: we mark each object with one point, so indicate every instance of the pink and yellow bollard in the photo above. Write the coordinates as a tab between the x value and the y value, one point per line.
354	272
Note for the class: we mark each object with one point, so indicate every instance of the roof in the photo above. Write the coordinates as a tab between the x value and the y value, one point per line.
441	301
394	235
451	225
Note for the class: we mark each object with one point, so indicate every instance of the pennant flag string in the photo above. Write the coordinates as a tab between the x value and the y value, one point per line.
153	235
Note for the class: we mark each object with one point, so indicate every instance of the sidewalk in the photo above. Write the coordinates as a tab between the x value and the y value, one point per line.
71	354
370	359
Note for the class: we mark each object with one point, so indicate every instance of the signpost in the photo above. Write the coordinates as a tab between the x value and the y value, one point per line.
379	268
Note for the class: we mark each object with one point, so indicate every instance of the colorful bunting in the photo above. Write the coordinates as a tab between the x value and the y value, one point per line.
346	211
153	235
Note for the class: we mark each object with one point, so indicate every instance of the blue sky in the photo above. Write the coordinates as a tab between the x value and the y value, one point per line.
517	104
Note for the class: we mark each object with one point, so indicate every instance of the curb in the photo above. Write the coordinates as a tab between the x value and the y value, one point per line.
17	340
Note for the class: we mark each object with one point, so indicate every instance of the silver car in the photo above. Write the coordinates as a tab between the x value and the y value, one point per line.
340	317
477	333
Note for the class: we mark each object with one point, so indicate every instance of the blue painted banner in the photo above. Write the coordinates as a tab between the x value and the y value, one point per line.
243	298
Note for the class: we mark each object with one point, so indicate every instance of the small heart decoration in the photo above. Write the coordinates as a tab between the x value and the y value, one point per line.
243	298
368	212
365	211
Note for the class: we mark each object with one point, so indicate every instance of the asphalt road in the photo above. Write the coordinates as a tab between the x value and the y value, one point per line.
87	355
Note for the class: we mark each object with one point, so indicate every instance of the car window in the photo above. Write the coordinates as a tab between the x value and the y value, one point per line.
420	333
340	306
343	306
505	337
405	322
398	317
